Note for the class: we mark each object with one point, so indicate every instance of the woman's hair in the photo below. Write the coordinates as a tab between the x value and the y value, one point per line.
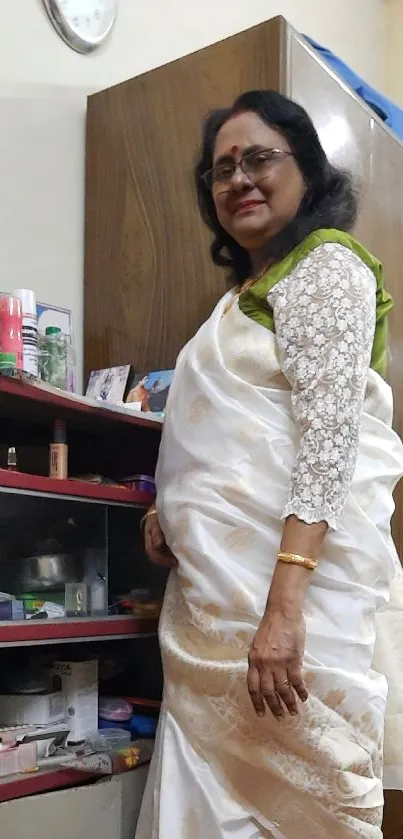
330	200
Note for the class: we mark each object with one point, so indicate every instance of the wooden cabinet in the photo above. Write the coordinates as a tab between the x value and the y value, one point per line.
149	279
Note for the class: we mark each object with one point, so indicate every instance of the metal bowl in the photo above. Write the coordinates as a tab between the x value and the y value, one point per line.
49	571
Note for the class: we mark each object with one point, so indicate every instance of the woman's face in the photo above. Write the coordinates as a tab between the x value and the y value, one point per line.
256	204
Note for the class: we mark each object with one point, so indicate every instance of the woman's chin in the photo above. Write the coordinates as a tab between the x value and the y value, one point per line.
250	237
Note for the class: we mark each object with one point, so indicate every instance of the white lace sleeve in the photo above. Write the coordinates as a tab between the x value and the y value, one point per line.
325	319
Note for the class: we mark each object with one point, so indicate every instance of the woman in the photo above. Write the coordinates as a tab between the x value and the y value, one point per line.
275	481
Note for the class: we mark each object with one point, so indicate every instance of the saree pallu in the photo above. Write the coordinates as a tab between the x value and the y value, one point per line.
227	453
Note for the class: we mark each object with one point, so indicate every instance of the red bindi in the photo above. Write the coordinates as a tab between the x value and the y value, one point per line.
234	150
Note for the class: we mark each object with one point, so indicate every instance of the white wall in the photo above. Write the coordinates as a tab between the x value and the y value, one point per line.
151	33
42	195
43	85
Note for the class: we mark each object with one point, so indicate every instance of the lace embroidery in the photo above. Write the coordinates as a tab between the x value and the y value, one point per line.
325	320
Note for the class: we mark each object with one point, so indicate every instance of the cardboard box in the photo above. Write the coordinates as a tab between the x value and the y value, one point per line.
12	610
29	709
79	682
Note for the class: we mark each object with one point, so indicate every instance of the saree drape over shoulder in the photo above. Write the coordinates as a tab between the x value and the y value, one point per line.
278	406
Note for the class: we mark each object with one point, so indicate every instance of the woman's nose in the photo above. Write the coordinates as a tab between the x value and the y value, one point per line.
240	180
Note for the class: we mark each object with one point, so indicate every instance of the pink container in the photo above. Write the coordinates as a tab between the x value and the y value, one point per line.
11	327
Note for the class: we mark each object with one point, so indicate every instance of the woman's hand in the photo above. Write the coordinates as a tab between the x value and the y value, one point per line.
275	663
156	547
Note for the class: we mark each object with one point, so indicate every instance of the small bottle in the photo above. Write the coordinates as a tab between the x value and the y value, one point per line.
12	459
58	452
29	331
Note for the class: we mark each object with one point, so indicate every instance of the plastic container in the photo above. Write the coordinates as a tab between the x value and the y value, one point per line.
141	483
142	726
114	709
29	330
109	739
145	604
139	726
8	363
11	327
53	357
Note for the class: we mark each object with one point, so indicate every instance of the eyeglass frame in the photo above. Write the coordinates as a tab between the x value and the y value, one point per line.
279	154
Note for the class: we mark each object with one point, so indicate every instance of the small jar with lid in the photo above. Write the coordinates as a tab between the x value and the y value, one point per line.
8	364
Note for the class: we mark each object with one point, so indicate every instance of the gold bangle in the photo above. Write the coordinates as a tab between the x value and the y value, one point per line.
297	559
149	513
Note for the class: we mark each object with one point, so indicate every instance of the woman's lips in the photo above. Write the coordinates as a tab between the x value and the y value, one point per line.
246	206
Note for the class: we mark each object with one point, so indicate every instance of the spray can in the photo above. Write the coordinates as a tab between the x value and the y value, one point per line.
29	331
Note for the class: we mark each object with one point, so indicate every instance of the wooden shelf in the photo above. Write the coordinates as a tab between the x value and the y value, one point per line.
84	490
69	630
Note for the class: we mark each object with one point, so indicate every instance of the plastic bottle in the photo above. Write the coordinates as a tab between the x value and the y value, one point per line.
11	327
53	357
58	466
29	330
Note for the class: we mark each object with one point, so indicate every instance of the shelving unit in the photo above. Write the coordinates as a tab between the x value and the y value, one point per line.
35	407
19	786
46	400
90	492
109	441
72	630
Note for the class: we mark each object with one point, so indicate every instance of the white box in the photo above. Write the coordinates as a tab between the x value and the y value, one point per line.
79	682
38	709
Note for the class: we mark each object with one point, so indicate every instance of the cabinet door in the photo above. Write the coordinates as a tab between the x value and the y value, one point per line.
149	279
355	139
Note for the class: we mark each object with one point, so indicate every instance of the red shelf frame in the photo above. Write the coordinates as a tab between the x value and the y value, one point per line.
69	403
76	489
76	629
19	786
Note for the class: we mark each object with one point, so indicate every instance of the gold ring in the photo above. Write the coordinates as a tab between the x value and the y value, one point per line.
286	682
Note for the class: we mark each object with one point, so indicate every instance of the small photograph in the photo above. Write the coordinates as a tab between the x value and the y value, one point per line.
109	385
149	391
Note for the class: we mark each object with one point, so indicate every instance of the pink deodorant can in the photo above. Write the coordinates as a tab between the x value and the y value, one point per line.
11	327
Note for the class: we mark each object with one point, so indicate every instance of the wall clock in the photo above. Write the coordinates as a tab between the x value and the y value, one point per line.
83	24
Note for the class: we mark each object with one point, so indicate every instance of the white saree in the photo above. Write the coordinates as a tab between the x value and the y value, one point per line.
228	454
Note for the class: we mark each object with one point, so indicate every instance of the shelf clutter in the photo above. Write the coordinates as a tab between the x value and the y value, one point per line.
69	435
64	734
88	490
75	481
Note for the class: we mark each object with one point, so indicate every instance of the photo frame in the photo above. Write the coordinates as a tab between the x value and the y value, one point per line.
109	384
148	392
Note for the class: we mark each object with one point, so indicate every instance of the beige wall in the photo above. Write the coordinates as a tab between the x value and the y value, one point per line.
393	82
43	86
152	33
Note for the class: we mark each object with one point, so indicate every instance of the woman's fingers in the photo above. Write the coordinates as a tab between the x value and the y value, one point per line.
254	691
155	545
297	682
285	691
270	695
157	536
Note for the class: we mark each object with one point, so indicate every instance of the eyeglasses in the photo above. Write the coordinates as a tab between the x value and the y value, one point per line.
256	165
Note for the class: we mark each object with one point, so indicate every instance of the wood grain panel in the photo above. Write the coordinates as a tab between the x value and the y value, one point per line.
149	279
